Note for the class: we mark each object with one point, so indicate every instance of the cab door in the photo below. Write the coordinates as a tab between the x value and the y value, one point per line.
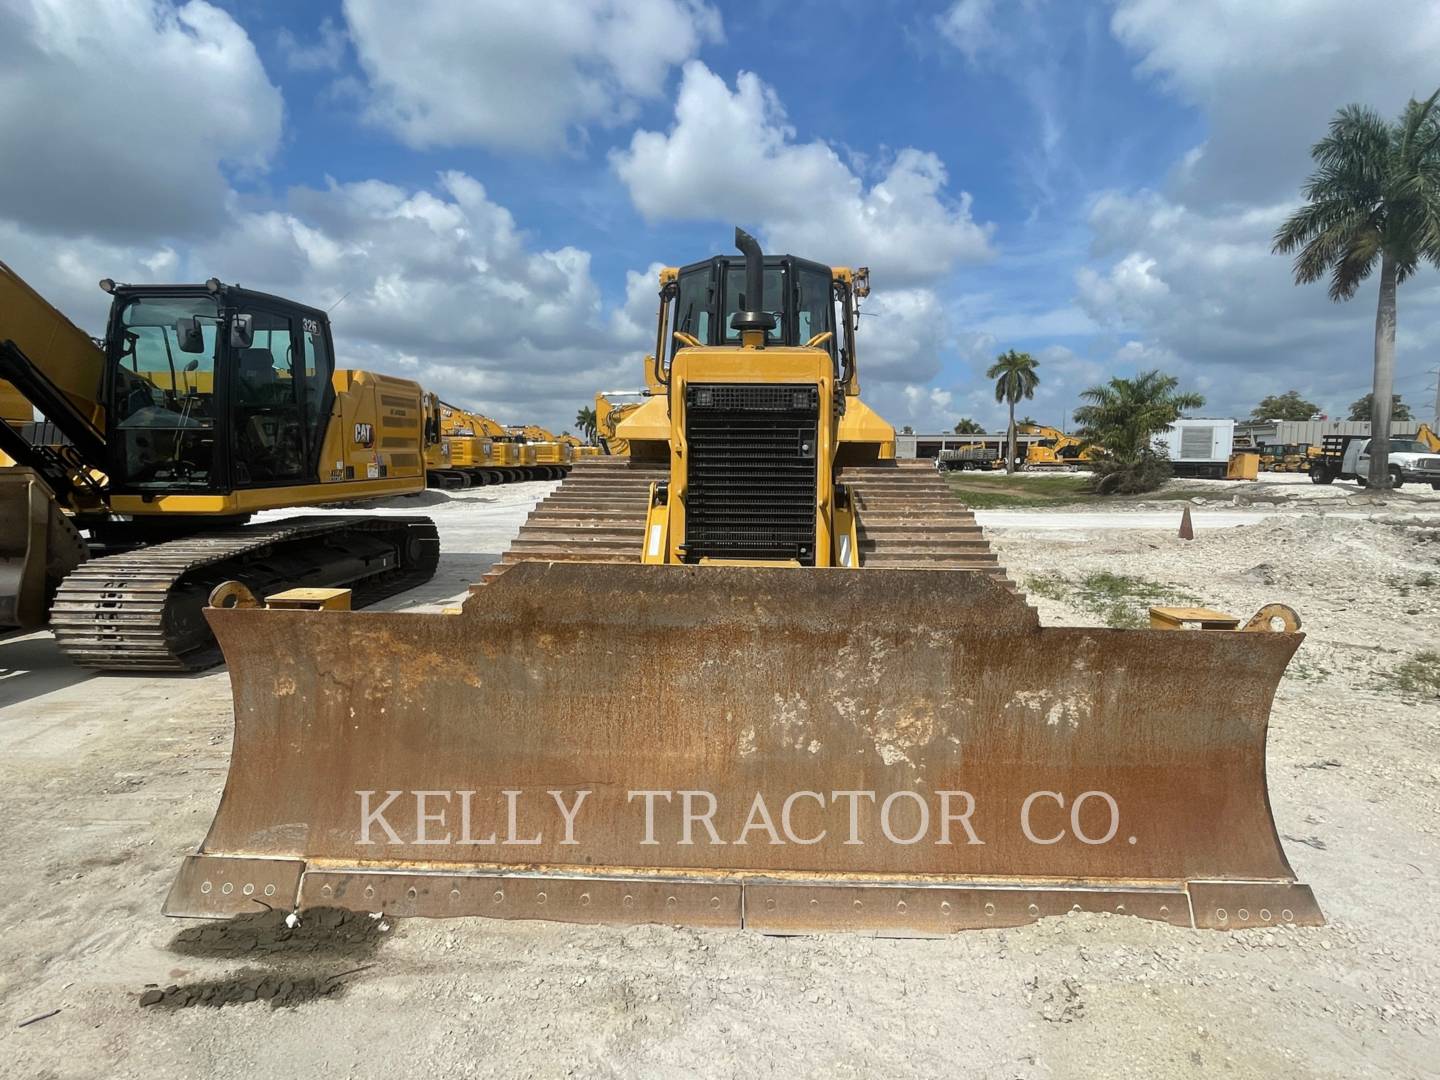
267	391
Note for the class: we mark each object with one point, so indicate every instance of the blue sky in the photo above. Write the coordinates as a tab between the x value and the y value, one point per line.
491	184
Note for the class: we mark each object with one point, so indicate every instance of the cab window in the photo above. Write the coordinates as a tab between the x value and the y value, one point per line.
164	397
269	441
815	308
774	301
692	305
315	386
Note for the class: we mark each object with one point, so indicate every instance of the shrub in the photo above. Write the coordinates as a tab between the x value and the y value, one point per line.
1147	473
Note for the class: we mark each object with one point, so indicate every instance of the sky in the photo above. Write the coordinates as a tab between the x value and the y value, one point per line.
483	190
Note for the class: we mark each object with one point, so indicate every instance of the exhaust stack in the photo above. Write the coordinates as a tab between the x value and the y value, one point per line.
755	323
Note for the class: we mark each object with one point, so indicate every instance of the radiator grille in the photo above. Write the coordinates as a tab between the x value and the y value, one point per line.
751	474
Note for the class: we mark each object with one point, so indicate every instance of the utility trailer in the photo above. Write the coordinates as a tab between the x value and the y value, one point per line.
980	457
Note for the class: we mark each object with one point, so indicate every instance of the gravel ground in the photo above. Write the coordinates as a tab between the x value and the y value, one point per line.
106	782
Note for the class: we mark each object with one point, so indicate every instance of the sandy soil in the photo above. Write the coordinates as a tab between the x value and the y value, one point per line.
105	783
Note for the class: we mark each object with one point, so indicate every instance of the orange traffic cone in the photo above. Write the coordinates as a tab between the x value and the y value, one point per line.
1187	528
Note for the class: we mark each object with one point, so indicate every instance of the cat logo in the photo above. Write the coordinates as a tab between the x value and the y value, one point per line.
364	435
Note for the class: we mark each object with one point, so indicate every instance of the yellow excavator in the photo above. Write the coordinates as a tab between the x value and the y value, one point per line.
552	457
830	708
579	448
1427	438
484	451
611	407
127	504
1053	448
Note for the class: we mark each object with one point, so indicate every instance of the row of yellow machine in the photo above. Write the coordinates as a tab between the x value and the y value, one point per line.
202	406
746	670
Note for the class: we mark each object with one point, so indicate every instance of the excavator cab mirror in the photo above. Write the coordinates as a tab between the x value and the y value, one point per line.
242	331
189	334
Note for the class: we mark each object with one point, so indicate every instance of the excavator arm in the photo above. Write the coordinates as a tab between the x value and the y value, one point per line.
50	366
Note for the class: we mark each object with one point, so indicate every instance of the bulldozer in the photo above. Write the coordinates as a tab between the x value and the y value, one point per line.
205	404
828	707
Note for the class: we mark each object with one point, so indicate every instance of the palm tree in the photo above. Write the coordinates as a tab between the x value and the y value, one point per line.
1374	196
1124	415
1015	379
585	421
1122	419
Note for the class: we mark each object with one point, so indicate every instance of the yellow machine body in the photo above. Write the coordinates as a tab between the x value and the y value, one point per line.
73	362
608	414
373	446
1053	448
838	712
143	446
1243	465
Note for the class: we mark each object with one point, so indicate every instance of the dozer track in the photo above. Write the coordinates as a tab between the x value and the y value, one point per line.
142	610
909	518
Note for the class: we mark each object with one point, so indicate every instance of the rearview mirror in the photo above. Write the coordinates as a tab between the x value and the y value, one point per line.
242	331
189	334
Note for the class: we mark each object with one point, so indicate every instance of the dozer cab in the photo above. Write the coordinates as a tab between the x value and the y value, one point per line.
826	706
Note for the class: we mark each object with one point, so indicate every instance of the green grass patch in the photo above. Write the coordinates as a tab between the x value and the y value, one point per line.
1117	600
996	491
1417	677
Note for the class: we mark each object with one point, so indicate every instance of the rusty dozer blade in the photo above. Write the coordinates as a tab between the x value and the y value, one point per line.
899	751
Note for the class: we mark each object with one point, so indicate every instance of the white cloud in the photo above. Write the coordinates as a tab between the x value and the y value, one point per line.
325	53
1130	291
902	332
1201	295
519	73
733	156
1144	356
121	117
1186	273
1270	75
969	26
442	284
438	285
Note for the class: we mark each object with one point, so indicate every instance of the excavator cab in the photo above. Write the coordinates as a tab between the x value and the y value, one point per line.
214	389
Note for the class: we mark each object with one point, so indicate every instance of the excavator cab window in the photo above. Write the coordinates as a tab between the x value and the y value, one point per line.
318	395
268	432
163	413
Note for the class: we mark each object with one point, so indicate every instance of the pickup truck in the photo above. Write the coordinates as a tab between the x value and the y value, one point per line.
1347	457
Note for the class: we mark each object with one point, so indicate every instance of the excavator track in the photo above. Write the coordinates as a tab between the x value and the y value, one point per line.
909	518
142	610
